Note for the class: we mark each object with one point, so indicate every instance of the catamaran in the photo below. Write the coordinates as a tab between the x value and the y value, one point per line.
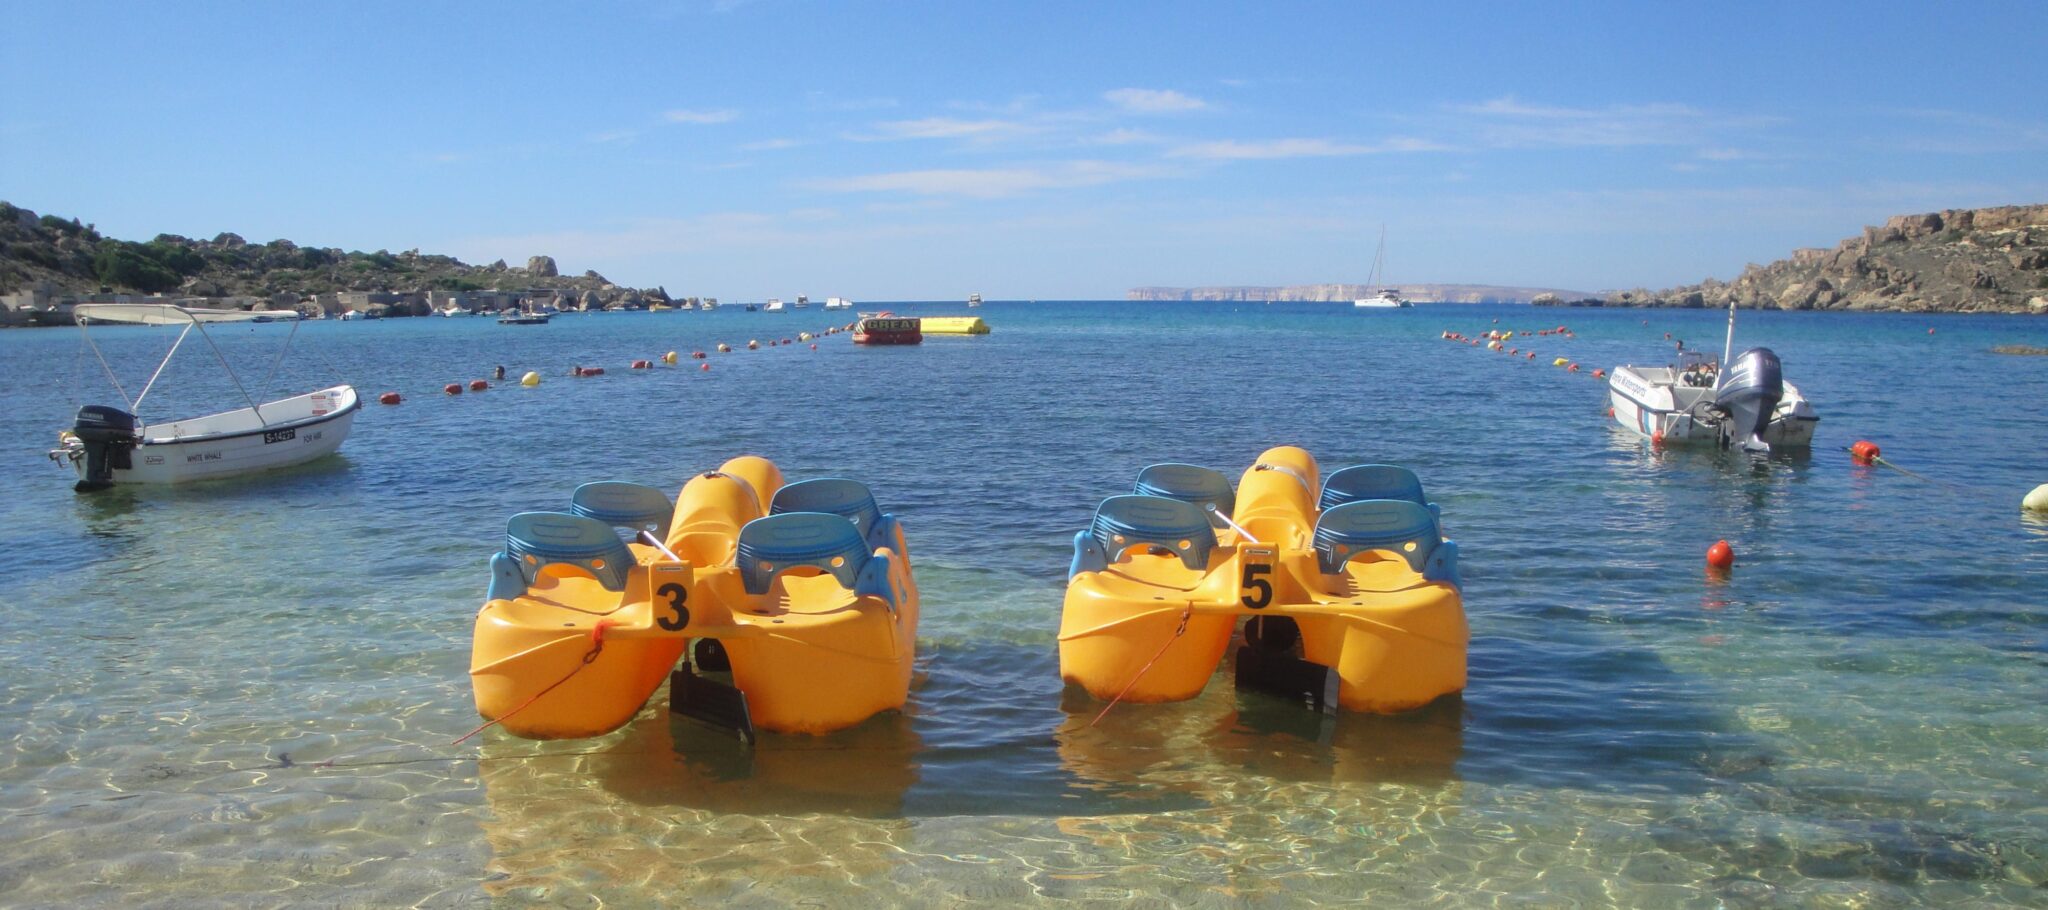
1387	298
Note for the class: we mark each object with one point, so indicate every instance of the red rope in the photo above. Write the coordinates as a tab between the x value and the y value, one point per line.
596	647
1185	612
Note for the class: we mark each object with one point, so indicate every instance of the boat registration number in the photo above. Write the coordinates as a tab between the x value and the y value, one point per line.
270	436
1256	585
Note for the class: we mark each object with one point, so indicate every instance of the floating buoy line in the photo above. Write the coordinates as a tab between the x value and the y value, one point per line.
532	378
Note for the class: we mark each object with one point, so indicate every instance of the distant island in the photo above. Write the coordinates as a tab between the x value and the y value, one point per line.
48	263
1345	293
1992	260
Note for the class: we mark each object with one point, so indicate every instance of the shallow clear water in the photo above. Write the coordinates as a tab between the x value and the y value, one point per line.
245	694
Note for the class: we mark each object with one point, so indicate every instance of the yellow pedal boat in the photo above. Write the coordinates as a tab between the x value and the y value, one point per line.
802	592
1349	589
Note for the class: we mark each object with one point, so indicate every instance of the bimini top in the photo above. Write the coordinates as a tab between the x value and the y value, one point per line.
160	314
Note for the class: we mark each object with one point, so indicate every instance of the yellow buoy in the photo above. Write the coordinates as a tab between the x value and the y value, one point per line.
669	357
530	380
2036	501
1559	362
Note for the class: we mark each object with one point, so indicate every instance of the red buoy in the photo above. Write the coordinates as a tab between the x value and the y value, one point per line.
478	385
1721	556
1863	452
705	367
1599	374
814	346
388	398
453	388
640	364
1572	368
696	355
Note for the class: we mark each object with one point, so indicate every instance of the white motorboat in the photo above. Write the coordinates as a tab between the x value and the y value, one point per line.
774	305
1747	405
802	302
1386	298
974	300
838	303
108	445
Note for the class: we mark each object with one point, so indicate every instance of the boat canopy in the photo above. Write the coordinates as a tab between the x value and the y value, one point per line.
160	314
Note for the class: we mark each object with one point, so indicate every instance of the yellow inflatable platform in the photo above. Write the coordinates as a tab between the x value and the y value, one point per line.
1348	589
954	325
794	604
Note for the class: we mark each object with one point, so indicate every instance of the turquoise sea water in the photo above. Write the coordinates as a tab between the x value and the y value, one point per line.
245	694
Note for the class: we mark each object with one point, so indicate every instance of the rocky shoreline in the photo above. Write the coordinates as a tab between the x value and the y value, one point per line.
1992	260
49	264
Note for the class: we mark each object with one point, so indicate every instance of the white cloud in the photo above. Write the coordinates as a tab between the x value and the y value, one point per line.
1235	150
1153	101
991	183
946	128
701	117
1508	122
1124	137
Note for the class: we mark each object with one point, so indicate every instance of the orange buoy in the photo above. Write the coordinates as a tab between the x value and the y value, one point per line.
1599	374
453	388
478	385
1657	439
1571	368
388	398
1863	452
1532	355
1610	412
1721	556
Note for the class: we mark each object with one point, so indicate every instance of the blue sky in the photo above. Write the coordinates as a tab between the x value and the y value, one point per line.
1028	150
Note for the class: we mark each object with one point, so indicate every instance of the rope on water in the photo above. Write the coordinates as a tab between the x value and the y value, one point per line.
1185	612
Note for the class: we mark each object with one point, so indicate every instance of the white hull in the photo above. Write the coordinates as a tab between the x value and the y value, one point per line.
1656	403
290	431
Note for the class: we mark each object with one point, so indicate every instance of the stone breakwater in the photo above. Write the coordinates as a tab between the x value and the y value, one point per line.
1992	260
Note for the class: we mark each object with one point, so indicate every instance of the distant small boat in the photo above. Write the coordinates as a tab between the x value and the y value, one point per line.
774	305
974	300
838	303
751	308
802	302
513	317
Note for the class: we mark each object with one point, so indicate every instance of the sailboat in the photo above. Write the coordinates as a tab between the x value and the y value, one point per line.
1386	298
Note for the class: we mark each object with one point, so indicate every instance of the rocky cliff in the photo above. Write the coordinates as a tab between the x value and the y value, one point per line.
67	256
1957	261
1345	293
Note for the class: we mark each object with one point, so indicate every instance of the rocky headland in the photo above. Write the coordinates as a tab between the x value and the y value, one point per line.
46	260
1345	293
1992	260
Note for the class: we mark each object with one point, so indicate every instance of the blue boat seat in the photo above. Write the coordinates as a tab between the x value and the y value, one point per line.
775	543
1188	483
537	539
632	506
1400	526
1123	522
1373	481
848	499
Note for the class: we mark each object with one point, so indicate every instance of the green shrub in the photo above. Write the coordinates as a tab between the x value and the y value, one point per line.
126	265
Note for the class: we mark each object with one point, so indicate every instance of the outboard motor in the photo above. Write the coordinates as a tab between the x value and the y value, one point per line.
1749	393
109	437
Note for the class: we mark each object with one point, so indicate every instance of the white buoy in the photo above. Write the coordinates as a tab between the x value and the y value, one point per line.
2036	501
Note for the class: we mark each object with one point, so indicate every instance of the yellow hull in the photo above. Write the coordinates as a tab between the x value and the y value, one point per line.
1147	627
568	657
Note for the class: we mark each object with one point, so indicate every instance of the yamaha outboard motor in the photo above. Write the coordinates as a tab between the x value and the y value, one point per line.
1749	393
109	437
